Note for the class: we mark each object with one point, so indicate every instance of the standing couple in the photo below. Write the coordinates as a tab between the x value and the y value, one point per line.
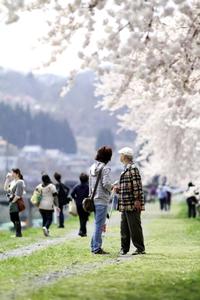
130	204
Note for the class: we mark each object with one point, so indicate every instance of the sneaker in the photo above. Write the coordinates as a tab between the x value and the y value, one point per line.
122	252
101	251
137	252
45	231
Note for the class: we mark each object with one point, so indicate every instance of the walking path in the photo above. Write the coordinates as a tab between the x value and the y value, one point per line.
38	281
28	250
50	241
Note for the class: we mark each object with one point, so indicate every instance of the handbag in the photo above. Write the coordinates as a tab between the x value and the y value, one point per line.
88	203
73	208
20	204
36	197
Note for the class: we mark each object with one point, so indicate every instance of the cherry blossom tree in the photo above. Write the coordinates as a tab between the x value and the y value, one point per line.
146	54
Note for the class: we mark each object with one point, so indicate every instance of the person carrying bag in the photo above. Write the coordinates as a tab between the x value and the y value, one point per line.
48	202
14	186
100	188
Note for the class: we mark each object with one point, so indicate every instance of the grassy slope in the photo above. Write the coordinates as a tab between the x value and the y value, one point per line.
169	271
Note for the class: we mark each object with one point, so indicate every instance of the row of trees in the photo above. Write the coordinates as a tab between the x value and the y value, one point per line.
20	128
147	56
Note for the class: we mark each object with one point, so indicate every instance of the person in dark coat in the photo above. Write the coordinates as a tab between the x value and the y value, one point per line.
80	192
63	192
191	199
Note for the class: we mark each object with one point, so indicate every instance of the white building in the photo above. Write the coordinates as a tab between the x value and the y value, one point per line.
32	152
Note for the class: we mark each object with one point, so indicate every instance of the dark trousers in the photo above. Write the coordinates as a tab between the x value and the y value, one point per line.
83	218
61	216
168	204
163	204
14	217
47	217
131	229
191	210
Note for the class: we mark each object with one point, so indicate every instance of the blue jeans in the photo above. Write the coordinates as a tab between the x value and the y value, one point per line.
100	219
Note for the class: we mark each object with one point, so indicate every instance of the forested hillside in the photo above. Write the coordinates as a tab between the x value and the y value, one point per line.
41	92
21	127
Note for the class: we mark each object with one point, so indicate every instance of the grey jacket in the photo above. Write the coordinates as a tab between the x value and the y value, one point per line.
102	195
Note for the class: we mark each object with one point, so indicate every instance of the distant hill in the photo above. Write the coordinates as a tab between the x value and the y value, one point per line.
21	128
42	93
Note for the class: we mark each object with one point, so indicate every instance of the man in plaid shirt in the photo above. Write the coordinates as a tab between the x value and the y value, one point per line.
131	203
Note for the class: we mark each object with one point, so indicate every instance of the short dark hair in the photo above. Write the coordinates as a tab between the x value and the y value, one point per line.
190	184
18	172
46	179
83	178
57	176
104	154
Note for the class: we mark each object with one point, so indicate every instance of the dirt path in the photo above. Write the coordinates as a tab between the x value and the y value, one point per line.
28	250
39	281
76	269
42	244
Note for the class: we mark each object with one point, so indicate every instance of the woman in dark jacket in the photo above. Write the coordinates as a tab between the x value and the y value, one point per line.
63	192
80	192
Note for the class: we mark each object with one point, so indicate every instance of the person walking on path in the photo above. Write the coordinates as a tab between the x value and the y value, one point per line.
47	203
63	192
131	203
191	199
15	186
102	195
80	192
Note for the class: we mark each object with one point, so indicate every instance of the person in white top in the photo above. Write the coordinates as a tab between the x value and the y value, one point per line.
48	201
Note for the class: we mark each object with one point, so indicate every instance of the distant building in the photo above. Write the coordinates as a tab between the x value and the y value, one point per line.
32	152
8	155
55	153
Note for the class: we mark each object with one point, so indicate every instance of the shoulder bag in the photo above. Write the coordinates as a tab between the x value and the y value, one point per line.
20	204
88	203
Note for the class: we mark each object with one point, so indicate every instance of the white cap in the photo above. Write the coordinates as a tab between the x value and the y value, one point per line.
126	151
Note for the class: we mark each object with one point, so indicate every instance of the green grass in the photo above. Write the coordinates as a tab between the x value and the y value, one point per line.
170	270
32	235
54	258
